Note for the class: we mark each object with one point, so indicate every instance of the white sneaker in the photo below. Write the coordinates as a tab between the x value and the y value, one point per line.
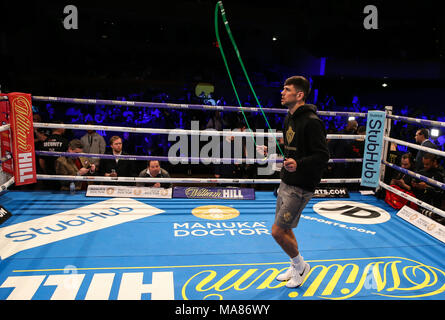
297	278
286	275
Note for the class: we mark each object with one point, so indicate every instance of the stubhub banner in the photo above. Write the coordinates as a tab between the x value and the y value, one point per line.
372	154
67	224
214	193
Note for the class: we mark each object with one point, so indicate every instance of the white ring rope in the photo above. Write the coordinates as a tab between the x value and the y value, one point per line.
415	146
412	199
208	132
430	181
416	120
411	173
7	184
5	127
6	158
213	160
176	180
201	107
211	132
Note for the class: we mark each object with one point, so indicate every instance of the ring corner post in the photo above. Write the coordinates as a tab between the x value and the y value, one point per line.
22	134
386	132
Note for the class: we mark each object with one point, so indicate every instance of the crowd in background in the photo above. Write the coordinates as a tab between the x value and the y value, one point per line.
102	142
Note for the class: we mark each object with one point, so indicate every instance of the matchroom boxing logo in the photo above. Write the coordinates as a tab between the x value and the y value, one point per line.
215	212
68	224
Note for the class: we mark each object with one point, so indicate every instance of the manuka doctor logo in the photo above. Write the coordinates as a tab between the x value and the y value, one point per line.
68	224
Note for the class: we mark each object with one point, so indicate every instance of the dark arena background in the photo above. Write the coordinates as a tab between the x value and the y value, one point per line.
210	239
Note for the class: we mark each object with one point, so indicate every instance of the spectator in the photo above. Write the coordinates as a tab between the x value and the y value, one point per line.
154	170
226	170
342	149
421	137
100	114
50	111
401	179
116	167
358	145
128	143
422	190
128	115
93	143
75	114
70	166
221	102
210	100
238	149
357	150
40	136
215	122
56	142
202	96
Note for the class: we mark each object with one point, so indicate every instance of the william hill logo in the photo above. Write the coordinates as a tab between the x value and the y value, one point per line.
194	192
214	193
336	279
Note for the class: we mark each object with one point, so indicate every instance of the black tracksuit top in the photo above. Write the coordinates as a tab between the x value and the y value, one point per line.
305	142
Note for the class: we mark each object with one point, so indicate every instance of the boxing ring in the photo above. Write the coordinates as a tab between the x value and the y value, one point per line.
57	245
63	246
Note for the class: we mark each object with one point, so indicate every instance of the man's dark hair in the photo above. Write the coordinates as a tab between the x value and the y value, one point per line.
75	143
150	161
430	156
301	84
424	132
361	130
408	156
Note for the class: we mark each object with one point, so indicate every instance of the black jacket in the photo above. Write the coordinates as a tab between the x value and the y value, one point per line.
418	162
431	195
124	168
54	143
305	142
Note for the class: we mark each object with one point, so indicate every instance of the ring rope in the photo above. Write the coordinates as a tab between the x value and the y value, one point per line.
6	185
177	180
208	132
345	136
412	199
159	105
341	113
5	127
416	175
166	158
201	107
158	158
416	120
415	146
5	158
411	173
